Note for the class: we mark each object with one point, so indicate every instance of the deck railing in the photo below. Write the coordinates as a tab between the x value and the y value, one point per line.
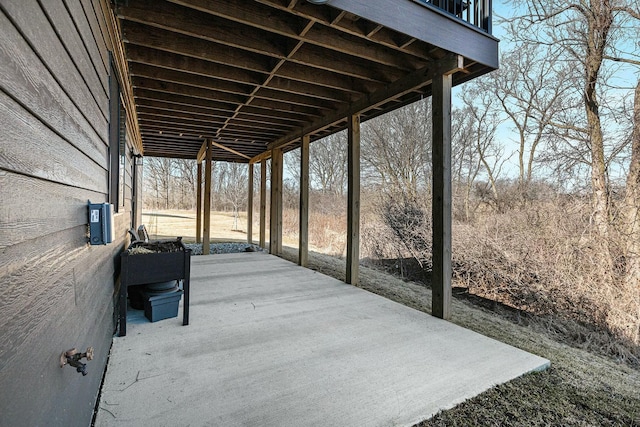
475	12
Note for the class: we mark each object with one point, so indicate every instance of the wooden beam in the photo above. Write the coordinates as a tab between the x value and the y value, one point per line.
250	205
271	105
199	205
231	150
261	157
194	113
275	222
303	244
266	18
353	200
265	43
253	142
259	114
425	22
186	90
410	83
202	152
296	92
195	47
441	204
207	202
335	18
197	78
263	202
197	24
183	118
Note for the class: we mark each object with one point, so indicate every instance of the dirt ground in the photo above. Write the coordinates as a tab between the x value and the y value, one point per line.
582	388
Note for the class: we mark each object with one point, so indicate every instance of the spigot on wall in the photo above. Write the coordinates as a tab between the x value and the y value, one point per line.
73	357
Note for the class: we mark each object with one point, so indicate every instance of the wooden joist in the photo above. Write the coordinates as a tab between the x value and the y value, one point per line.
305	67
231	150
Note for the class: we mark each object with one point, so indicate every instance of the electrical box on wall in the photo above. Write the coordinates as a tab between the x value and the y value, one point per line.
100	223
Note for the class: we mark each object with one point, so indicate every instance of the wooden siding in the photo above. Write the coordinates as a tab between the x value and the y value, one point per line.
57	290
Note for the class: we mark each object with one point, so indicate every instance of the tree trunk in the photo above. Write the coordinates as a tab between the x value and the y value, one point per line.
631	217
599	24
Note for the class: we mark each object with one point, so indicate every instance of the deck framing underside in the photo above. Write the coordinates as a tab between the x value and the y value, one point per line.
254	75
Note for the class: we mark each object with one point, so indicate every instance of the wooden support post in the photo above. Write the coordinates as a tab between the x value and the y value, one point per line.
199	205
250	205
263	202
353	201
303	243
206	238
441	203
275	223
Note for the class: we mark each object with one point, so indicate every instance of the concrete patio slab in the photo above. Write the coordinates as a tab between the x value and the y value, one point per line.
274	344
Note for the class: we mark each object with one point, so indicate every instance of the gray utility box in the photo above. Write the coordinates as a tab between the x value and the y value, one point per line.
100	223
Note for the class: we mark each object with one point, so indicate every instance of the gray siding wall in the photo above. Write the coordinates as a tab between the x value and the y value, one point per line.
57	291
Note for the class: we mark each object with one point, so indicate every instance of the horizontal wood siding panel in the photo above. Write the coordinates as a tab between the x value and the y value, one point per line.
23	218
31	148
34	26
58	291
96	22
38	277
99	57
60	298
26	79
70	38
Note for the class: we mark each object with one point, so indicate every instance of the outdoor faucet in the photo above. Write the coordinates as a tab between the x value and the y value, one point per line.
73	357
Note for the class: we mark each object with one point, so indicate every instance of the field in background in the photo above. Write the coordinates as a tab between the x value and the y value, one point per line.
170	223
325	231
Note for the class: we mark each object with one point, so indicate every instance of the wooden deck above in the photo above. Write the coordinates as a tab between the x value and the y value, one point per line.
253	75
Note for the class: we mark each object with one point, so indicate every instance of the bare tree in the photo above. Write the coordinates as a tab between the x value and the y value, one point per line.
592	35
327	164
587	33
159	173
475	149
396	149
530	86
232	187
465	165
187	181
631	213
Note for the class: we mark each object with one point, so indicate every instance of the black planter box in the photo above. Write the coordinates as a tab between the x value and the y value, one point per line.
162	306
147	268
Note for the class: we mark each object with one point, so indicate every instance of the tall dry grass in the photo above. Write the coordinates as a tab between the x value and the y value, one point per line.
542	260
327	224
